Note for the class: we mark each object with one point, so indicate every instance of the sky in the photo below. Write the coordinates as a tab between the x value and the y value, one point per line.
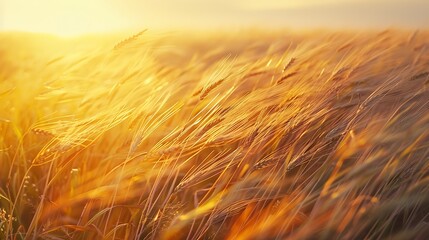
75	17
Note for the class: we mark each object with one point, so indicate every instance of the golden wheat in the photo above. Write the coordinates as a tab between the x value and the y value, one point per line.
258	135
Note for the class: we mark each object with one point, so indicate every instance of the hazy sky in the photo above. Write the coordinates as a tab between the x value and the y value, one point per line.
70	17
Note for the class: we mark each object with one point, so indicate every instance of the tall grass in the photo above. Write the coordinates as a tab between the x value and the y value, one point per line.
217	136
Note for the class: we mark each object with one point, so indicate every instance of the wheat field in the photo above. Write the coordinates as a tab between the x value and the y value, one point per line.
203	135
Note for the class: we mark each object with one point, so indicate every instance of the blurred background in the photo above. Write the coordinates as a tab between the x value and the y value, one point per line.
74	17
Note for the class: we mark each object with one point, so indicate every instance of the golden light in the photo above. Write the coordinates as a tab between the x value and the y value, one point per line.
62	17
71	17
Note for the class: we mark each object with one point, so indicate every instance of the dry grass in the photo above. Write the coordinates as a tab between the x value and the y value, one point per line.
223	136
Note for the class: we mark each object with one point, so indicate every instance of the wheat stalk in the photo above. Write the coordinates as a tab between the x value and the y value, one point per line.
128	40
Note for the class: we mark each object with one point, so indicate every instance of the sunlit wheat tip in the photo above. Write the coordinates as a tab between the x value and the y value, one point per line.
39	131
282	79
289	64
211	87
128	40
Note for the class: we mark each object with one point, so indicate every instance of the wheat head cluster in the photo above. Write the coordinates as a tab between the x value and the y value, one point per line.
248	135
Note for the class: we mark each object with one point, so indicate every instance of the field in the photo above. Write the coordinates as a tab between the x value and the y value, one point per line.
244	135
